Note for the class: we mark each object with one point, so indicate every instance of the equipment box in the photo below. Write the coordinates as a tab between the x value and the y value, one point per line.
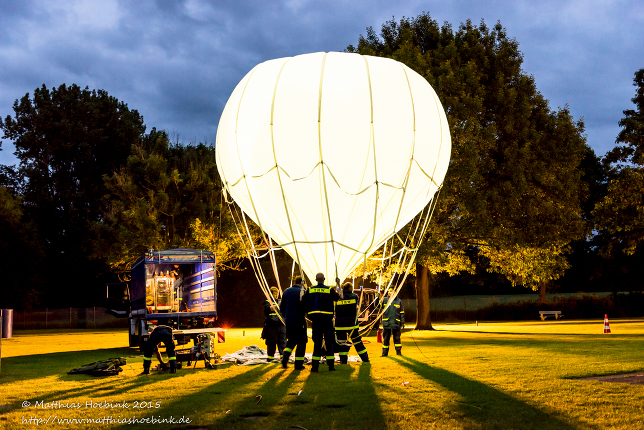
176	287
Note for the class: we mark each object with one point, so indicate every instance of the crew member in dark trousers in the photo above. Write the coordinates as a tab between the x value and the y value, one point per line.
293	307
160	334
346	325
274	332
393	321
321	300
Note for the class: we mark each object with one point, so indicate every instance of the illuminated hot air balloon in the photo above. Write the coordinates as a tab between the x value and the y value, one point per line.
332	153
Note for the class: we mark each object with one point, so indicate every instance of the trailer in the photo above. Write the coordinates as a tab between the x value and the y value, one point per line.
175	287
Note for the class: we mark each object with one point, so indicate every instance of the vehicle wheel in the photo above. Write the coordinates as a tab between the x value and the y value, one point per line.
142	332
133	339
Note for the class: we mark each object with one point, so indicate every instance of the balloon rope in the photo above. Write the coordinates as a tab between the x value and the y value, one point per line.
382	264
263	282
251	258
421	220
292	271
272	257
315	167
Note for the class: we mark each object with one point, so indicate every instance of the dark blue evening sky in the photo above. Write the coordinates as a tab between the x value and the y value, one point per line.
177	62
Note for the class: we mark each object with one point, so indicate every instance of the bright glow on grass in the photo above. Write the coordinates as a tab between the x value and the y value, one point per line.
496	375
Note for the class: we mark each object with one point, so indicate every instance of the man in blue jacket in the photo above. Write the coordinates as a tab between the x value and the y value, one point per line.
393	321
293	307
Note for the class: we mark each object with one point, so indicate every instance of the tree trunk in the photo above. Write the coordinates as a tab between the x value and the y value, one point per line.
423	318
542	293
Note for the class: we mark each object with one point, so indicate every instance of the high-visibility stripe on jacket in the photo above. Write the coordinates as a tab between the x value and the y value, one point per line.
394	316
270	315
321	300
346	311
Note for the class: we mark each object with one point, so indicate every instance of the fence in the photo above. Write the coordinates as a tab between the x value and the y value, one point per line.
462	306
94	317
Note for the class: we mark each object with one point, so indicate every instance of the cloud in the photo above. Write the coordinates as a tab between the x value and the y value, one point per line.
177	62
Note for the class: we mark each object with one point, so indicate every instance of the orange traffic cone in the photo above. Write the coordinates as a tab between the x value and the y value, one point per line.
606	325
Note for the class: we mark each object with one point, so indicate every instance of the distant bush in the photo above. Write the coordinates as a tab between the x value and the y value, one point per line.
622	305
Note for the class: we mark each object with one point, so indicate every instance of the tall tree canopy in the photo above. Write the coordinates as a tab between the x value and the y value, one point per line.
512	191
620	214
166	196
66	139
20	252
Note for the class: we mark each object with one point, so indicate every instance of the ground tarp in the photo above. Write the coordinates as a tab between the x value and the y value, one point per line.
253	354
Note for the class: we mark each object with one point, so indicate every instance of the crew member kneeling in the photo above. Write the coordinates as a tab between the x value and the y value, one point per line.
160	334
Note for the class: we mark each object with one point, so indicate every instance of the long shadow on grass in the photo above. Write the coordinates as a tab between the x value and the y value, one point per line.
220	396
337	399
27	367
273	393
488	407
98	390
525	334
30	368
575	345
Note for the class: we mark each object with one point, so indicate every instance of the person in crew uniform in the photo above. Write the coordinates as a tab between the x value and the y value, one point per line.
274	332
293	308
346	325
160	334
321	300
393	321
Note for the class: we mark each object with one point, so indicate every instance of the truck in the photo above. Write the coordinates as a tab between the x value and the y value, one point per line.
175	287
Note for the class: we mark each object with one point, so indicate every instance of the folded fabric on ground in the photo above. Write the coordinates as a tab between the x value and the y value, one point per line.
253	354
109	367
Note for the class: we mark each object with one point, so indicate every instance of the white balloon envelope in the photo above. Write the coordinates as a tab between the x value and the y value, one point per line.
332	153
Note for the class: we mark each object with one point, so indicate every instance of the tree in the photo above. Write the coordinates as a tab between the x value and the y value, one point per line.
619	215
513	186
66	139
166	196
20	252
629	146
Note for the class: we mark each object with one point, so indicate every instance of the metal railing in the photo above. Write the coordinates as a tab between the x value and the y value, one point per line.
66	318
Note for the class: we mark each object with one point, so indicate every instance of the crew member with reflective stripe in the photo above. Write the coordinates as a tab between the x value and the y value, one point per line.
321	300
346	325
274	332
393	321
293	308
160	334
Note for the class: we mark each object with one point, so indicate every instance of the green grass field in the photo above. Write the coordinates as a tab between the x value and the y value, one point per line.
494	376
